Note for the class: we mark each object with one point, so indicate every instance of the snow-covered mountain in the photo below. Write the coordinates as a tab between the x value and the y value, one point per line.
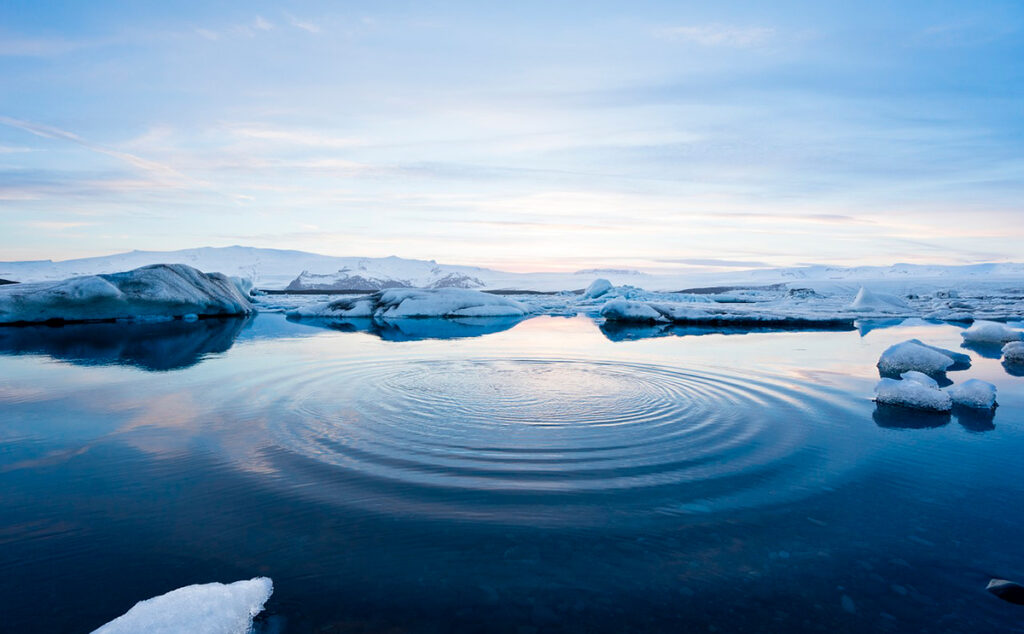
278	269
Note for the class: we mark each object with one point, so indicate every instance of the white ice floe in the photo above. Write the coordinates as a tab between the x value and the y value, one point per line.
1013	352
920	377
399	303
913	393
991	332
974	393
914	355
625	310
597	288
876	302
211	608
160	291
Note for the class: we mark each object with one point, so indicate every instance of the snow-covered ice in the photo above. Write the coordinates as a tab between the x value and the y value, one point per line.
400	303
160	291
974	393
877	302
920	377
914	393
597	288
914	355
625	310
211	608
1013	352
991	332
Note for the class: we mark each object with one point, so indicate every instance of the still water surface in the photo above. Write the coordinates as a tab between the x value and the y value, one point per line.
500	476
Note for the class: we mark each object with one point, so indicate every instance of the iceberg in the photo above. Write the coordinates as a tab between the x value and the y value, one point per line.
991	332
625	310
913	393
156	292
916	356
397	303
878	302
211	608
974	393
597	288
1013	352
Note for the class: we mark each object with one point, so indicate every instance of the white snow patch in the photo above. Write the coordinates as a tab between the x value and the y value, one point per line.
211	608
597	288
161	291
914	394
914	355
990	332
974	393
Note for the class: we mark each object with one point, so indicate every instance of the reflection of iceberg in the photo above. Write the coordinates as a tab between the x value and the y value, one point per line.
897	417
419	329
864	326
158	346
629	331
984	349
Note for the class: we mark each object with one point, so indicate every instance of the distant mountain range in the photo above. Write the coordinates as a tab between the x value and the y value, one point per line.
299	270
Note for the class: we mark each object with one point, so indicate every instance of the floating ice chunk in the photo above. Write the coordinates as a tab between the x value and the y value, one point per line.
913	355
974	393
1013	352
920	377
597	288
912	394
961	361
990	332
867	300
211	608
625	310
399	303
147	293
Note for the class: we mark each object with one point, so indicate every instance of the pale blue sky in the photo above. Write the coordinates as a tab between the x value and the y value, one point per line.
522	136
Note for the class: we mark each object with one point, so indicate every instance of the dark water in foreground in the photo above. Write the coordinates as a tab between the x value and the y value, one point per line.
531	477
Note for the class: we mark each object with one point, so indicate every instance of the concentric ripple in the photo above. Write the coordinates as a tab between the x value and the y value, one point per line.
543	440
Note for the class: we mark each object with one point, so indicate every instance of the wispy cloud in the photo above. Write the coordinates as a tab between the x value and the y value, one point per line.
50	132
37	47
309	138
305	25
721	35
56	225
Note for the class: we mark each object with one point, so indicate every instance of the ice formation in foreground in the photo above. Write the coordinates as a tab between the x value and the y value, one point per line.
417	302
211	608
915	390
974	393
151	292
1013	352
990	332
920	357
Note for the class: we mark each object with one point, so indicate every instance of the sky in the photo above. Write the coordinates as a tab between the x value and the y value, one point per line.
524	136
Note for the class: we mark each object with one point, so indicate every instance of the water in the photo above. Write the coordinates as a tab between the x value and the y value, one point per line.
501	476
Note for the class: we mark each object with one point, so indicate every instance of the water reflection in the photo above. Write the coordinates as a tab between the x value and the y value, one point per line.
898	417
985	350
418	329
625	331
156	347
